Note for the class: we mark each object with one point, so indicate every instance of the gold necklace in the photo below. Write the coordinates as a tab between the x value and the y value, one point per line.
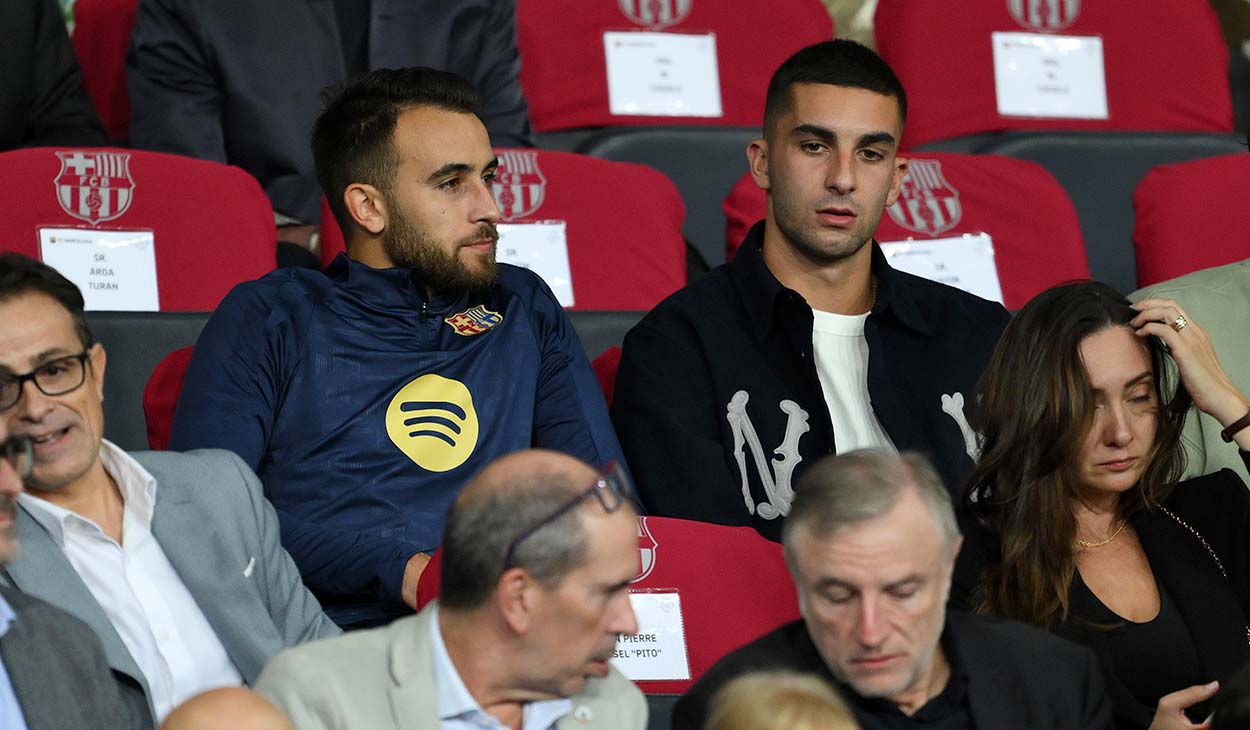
1108	541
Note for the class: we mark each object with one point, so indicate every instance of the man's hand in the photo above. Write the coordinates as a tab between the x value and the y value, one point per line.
412	575
1170	714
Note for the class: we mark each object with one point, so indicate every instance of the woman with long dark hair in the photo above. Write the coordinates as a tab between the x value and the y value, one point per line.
1078	522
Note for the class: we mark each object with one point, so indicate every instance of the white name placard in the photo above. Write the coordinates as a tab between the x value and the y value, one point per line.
116	270
662	74
1049	76
542	248
658	650
965	262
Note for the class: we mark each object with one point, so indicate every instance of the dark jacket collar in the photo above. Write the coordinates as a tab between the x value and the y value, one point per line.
393	290
761	290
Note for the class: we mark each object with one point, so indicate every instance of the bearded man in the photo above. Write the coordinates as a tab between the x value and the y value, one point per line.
365	397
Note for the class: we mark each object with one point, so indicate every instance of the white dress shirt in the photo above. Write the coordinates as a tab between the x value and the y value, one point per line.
842	366
140	592
457	710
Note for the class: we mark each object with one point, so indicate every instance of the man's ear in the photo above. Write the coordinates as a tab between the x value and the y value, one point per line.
757	159
98	359
896	184
517	595
367	207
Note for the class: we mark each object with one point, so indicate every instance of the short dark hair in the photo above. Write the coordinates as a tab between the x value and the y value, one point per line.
838	62
352	140
480	527
23	275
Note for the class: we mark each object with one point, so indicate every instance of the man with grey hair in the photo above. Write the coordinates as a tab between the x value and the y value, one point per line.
538	553
871	542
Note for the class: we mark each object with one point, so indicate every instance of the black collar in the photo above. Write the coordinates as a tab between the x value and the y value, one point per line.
761	290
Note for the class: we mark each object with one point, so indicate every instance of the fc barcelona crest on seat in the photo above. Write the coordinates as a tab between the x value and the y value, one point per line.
1045	16
94	186
656	14
927	203
519	185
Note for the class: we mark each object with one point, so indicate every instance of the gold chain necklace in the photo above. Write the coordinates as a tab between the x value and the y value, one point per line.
1108	541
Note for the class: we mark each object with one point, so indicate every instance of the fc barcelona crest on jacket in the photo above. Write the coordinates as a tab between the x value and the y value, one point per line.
474	321
519	185
656	14
927	203
94	186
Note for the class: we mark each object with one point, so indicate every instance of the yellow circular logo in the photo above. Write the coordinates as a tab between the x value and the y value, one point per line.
433	421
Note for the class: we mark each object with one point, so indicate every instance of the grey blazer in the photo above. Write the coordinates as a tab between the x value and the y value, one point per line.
58	671
383	679
221	536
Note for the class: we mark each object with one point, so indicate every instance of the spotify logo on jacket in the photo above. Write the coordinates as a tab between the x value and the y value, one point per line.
432	420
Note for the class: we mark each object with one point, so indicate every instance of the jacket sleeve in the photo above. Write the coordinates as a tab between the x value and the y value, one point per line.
294	610
229	399
175	98
670	426
61	112
569	411
498	79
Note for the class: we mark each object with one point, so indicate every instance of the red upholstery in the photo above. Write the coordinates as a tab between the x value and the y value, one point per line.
101	34
212	223
1037	238
564	73
160	396
1191	216
943	54
734	587
605	367
623	221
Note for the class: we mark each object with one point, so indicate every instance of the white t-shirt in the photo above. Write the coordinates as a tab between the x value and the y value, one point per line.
841	355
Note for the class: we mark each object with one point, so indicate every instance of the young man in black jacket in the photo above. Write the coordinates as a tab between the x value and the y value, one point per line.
807	343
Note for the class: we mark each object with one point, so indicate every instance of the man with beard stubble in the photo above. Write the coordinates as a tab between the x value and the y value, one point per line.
366	396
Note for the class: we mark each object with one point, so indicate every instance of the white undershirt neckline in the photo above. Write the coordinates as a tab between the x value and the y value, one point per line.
840	351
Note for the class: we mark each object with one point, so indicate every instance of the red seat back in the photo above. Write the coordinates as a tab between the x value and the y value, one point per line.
943	54
605	367
160	396
564	73
101	34
948	194
1191	216
733	583
211	223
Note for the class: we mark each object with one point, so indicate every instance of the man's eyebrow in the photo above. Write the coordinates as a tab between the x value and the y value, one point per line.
492	165
51	353
876	138
814	130
448	169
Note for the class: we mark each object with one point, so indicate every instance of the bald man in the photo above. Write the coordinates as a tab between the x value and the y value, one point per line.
228	708
538	553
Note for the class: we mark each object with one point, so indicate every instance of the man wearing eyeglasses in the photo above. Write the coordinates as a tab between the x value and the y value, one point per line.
53	673
173	559
538	554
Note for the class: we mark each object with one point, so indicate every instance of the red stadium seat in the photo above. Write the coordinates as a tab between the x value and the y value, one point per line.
212	224
1191	216
1166	63
564	73
1037	238
160	396
101	34
733	583
605	367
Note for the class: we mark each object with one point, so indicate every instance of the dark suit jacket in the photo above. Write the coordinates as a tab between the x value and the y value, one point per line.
42	97
240	81
1017	676
58	671
1215	608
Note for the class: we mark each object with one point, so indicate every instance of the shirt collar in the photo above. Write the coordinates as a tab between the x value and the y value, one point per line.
7	616
388	290
454	699
136	484
761	289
